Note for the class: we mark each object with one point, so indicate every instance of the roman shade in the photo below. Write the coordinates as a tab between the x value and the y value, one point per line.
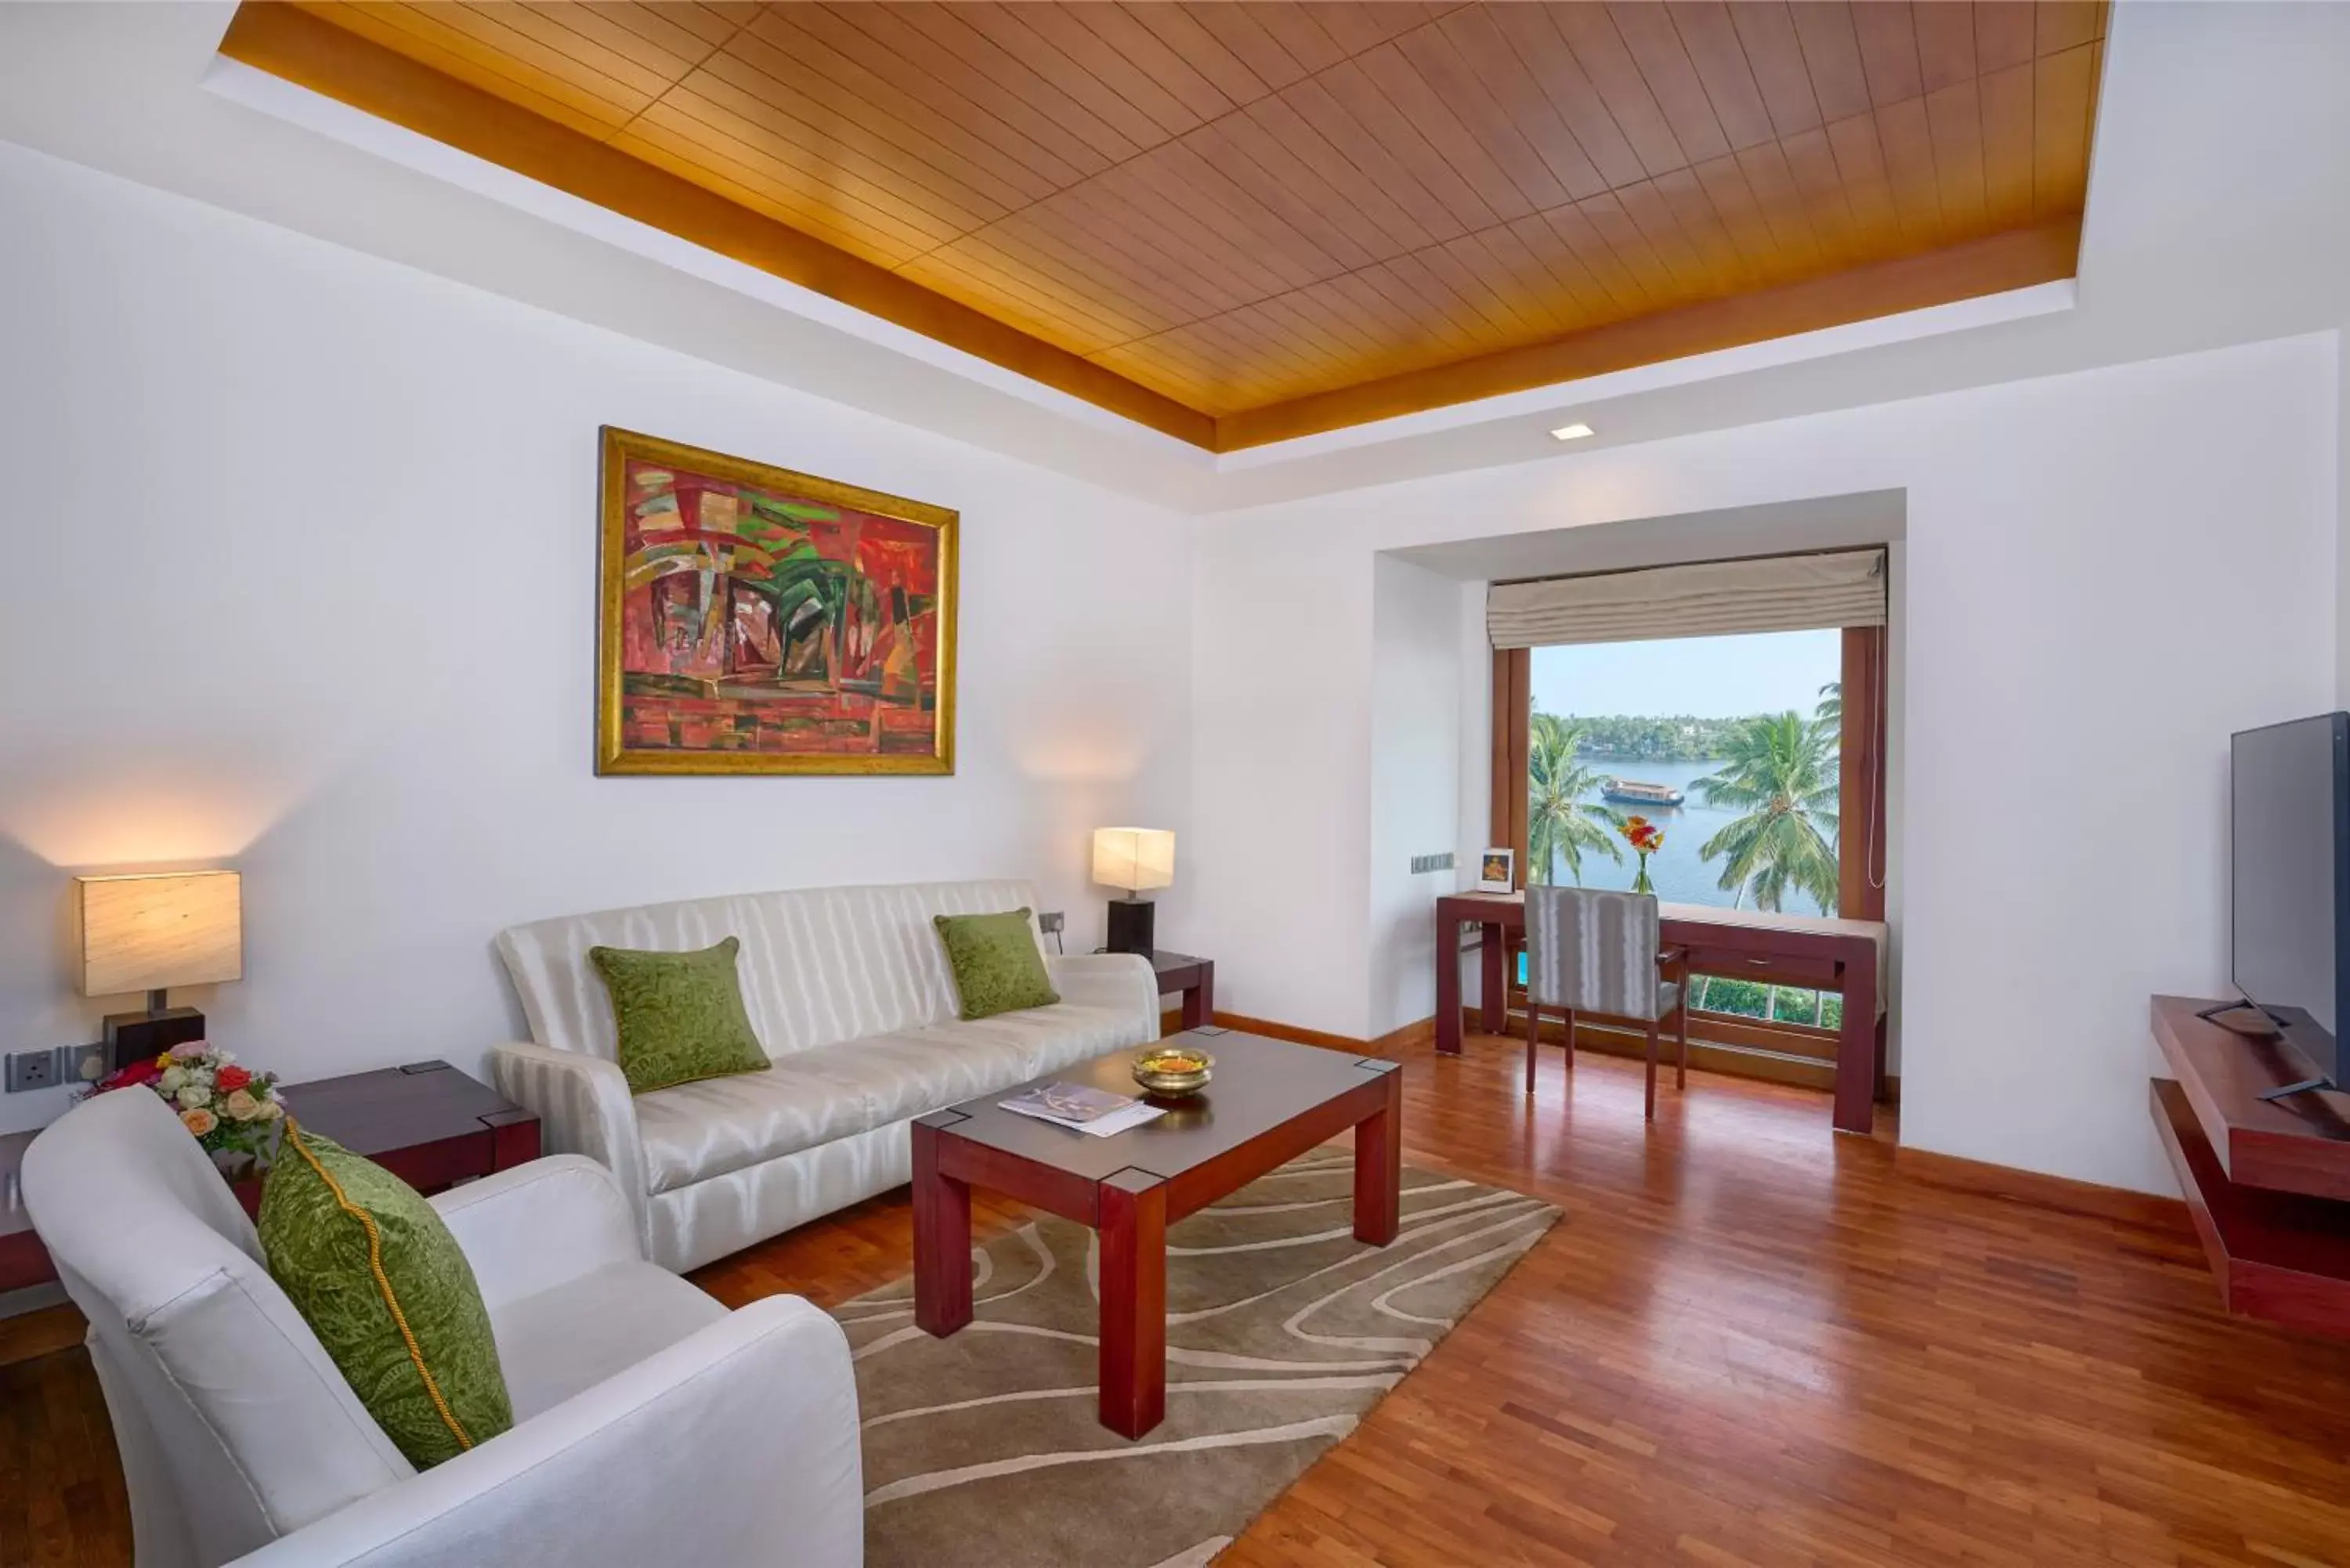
1716	599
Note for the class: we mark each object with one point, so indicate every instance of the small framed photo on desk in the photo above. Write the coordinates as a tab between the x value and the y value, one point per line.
1494	868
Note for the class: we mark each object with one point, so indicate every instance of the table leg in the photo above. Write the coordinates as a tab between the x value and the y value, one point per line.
1378	1165
941	1236
1856	1079
1200	1001
1495	1002
514	1139
1448	985
1133	1223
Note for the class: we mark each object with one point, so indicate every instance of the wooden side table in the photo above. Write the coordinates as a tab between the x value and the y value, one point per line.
1194	978
23	1260
426	1123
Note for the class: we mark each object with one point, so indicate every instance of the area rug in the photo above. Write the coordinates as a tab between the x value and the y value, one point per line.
983	1450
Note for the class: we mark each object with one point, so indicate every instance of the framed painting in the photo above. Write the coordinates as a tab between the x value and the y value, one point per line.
755	620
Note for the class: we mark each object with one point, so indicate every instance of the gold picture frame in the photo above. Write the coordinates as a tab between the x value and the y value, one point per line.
753	619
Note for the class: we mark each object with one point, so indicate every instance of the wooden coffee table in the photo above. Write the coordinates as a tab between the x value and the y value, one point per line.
1269	1103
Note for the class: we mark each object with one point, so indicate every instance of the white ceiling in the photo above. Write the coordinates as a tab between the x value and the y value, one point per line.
2219	212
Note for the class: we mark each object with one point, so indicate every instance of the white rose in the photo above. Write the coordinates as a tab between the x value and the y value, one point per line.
192	1098
271	1110
240	1106
172	1079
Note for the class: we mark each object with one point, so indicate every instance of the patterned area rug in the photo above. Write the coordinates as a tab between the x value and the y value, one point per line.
983	1450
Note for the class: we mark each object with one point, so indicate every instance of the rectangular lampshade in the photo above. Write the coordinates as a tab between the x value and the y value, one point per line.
153	932
1134	857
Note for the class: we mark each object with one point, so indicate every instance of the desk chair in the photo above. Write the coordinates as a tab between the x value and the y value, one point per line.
1594	952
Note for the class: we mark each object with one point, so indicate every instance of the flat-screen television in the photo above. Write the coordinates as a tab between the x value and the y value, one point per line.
2289	880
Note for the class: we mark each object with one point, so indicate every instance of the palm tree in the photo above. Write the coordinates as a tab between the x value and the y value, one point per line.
1560	822
1829	714
1782	771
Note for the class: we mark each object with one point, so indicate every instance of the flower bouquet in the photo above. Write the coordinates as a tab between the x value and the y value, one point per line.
1645	838
229	1109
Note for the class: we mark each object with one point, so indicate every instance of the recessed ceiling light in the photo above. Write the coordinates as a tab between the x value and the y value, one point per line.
1571	433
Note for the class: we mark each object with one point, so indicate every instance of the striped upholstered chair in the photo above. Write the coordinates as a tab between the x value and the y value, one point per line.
1593	951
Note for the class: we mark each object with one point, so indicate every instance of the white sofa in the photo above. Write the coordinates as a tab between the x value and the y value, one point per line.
849	992
651	1425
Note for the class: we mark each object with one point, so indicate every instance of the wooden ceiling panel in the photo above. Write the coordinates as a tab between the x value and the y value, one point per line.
1775	53
1240	220
778	65
2004	33
449	39
695	147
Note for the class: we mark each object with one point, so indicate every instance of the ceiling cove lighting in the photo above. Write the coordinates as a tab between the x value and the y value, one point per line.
1575	431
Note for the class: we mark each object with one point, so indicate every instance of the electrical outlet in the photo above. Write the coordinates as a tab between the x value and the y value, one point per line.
1051	922
32	1070
81	1064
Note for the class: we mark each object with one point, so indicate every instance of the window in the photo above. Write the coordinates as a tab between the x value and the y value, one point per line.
1729	745
1758	752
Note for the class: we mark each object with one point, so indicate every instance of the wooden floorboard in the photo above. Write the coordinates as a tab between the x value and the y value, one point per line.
1751	1344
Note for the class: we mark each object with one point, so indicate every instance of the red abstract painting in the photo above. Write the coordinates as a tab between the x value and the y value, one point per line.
759	621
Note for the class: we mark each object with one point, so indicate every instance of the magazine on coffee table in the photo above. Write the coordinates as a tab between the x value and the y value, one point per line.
1082	1108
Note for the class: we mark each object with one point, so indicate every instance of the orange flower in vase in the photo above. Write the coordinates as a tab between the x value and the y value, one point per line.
1645	838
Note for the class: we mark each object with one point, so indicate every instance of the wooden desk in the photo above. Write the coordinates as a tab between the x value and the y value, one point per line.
1844	956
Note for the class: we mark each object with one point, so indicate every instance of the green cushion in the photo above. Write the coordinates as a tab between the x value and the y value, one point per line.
997	965
384	1286
681	1015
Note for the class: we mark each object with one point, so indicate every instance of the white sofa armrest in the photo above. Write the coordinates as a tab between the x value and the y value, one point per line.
583	1106
540	1225
736	1446
1122	980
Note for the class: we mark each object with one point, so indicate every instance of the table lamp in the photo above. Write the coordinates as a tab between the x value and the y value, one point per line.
1137	860
151	933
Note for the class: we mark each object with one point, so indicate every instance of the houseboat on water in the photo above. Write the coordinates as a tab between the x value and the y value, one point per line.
1632	792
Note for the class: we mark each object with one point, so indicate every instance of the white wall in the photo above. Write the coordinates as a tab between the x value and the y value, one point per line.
1281	746
1417	745
2105	574
302	580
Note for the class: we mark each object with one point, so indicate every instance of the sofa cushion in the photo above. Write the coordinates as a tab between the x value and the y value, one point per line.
698	1131
680	1014
1046	1039
564	1341
998	968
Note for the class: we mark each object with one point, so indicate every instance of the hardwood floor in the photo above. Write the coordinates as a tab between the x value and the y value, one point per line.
1749	1343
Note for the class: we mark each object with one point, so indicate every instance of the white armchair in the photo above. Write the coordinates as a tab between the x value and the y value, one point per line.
651	1425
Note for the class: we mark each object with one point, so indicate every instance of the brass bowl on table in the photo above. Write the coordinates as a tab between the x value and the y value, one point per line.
1171	1072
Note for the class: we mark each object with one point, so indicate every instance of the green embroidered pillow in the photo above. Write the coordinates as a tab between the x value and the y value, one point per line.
376	1274
997	965
681	1015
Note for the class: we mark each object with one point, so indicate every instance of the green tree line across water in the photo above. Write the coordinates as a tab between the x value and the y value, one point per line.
1623	738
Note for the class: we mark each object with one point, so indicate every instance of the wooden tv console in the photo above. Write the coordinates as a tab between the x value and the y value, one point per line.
2268	1182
